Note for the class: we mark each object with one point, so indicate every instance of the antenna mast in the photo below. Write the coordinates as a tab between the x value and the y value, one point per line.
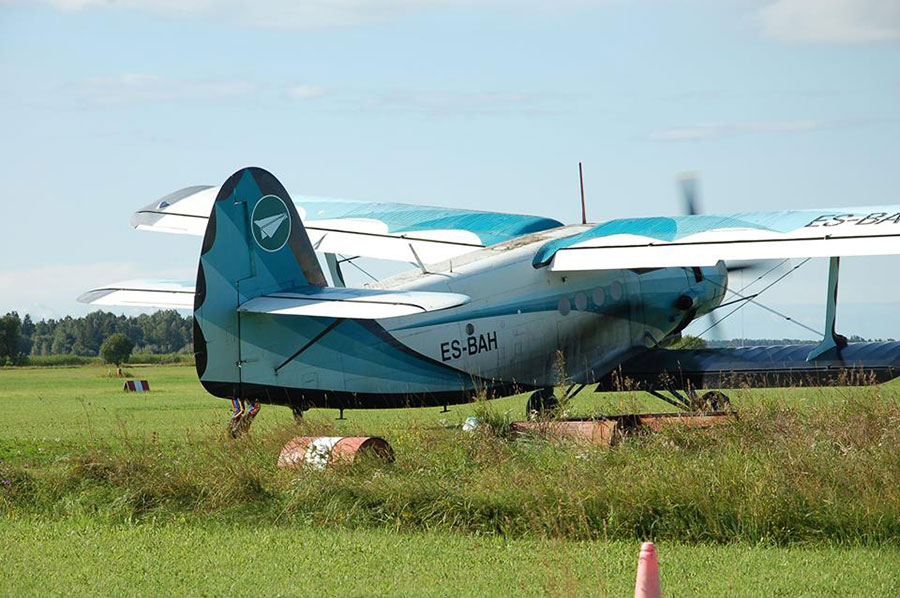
581	182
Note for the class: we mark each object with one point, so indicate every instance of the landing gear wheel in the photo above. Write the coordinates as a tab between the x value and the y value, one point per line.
541	403
298	413
714	400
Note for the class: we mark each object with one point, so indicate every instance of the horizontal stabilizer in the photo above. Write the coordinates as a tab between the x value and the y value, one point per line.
358	304
169	294
703	240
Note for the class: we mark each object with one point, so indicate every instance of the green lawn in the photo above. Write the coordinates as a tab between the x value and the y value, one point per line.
74	406
136	494
65	558
52	410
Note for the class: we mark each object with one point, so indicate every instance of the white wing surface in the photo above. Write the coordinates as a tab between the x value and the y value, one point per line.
390	231
361	304
169	294
703	240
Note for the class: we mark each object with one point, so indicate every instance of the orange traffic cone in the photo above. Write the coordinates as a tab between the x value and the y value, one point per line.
647	583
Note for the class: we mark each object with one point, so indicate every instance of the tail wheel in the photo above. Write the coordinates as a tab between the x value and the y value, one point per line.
714	400
242	416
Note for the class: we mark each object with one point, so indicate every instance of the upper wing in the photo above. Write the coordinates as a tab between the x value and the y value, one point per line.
361	304
382	230
703	240
774	366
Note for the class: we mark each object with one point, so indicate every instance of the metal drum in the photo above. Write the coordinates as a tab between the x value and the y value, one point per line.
325	451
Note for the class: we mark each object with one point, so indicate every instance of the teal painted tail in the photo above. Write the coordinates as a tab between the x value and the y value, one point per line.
254	244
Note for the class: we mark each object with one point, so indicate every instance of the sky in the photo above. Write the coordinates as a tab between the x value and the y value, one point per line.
107	105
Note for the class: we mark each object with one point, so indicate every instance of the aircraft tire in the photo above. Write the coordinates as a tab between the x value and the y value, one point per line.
541	403
715	400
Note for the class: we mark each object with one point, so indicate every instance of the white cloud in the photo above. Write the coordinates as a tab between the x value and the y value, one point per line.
832	21
447	103
306	92
301	14
800	21
436	103
274	14
717	130
133	88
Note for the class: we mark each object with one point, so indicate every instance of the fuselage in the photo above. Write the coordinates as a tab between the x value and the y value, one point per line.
534	327
524	327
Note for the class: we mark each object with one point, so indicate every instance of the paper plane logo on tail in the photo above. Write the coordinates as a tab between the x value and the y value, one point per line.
269	226
271	223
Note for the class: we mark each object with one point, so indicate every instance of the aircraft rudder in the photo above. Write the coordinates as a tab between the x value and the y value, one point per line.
255	244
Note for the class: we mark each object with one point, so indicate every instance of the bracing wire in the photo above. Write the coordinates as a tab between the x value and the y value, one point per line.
761	276
354	264
751	299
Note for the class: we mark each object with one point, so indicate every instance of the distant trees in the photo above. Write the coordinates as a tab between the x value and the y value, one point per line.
116	349
766	342
687	342
12	344
159	332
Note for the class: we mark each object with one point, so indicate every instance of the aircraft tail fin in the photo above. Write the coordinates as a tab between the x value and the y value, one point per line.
255	244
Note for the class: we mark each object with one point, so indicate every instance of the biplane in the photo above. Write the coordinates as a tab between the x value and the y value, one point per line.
494	303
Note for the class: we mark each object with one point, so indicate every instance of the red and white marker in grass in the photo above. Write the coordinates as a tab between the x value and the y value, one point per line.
647	583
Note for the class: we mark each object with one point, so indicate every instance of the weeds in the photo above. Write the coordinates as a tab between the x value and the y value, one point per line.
491	421
825	472
135	358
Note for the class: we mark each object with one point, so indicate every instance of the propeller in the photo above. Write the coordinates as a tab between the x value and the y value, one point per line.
689	185
749	267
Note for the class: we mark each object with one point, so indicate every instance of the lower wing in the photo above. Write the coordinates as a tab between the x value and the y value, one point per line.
766	367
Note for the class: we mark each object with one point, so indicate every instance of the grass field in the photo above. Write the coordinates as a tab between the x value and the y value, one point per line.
79	405
83	557
116	493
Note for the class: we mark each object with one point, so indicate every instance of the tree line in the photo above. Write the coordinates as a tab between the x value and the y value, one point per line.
164	331
765	342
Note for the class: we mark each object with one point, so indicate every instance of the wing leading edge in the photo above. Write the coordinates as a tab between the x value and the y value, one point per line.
381	230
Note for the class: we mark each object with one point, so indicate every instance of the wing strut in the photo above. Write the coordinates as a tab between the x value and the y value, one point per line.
334	268
418	260
831	339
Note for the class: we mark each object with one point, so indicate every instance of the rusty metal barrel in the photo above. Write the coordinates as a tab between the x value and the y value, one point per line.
324	451
601	432
609	430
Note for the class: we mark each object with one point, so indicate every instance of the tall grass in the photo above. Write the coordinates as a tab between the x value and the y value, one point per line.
780	474
160	358
135	359
60	360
